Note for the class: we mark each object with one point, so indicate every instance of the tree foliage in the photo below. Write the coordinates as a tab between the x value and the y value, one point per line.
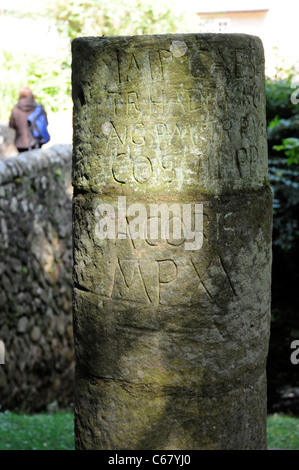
50	77
75	18
283	151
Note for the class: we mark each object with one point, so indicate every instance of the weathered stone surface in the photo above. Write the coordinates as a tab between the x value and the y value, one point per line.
22	324
171	343
141	109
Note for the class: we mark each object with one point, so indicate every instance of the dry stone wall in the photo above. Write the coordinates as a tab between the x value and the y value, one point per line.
35	279
171	341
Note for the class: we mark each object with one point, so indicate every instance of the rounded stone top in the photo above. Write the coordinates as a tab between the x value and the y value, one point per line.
234	39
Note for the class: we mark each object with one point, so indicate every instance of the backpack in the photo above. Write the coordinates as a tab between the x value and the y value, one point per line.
37	126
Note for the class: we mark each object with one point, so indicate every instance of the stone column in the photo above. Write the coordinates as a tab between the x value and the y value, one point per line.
171	331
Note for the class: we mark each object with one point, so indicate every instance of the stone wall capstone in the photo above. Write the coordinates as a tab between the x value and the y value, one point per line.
35	279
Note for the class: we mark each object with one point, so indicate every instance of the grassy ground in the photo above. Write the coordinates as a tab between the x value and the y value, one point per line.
56	431
36	432
283	432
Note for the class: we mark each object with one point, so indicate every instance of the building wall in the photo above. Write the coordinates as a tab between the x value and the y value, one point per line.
245	22
276	26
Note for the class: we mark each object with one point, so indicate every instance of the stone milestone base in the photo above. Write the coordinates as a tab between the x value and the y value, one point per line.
171	337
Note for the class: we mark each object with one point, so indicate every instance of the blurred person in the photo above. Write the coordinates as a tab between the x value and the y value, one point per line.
19	121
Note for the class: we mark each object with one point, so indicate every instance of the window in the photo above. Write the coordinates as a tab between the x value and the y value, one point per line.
216	25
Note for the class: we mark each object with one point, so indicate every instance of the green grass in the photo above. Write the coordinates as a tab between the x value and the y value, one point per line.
283	432
56	431
36	432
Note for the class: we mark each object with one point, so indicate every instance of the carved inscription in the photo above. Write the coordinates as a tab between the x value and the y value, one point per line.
176	116
195	118
144	275
161	143
156	135
124	67
157	101
246	159
162	280
156	268
140	281
141	169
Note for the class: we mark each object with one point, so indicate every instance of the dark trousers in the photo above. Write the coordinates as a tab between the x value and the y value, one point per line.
23	149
